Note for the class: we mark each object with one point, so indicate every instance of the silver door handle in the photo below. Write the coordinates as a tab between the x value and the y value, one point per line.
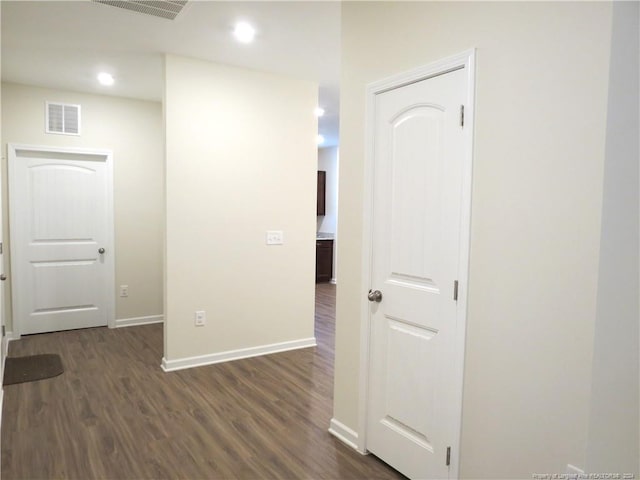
101	251
3	277
375	296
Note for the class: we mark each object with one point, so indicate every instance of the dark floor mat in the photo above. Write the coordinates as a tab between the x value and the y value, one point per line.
31	368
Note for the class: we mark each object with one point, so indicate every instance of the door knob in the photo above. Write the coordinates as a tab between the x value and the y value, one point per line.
375	296
101	251
3	277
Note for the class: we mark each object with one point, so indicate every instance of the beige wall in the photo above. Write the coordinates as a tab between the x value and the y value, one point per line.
613	444
3	305
542	71
240	160
132	129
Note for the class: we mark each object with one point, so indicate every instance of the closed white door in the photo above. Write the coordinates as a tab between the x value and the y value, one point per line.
61	238
419	151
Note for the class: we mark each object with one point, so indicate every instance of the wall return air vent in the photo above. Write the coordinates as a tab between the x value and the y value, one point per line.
62	118
168	9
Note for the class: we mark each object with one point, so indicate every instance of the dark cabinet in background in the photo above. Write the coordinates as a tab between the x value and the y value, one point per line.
324	260
322	186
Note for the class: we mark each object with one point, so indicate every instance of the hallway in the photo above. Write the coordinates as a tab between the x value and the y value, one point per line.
114	413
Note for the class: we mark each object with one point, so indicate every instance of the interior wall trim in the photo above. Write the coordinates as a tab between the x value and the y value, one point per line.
135	321
345	434
230	355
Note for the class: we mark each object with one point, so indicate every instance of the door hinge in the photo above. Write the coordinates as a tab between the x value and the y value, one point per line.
448	462
0	248
462	115
455	290
4	330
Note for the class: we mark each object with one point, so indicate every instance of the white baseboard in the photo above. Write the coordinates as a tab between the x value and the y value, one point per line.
333	281
202	360
5	350
5	353
344	434
574	470
9	336
135	321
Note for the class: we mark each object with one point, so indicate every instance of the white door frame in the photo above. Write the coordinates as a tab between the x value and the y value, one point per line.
14	212
464	60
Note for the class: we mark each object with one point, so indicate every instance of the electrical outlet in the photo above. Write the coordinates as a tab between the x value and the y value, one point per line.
200	318
124	290
275	237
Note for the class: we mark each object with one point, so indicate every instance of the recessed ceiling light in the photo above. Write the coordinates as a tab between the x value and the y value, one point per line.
319	111
320	139
105	78
244	32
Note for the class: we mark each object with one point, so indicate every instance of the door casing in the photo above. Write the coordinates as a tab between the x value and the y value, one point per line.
464	60
60	152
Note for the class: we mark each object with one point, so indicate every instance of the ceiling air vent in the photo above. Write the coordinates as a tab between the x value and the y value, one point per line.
168	9
62	118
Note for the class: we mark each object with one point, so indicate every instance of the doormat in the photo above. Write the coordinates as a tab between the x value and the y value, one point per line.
31	368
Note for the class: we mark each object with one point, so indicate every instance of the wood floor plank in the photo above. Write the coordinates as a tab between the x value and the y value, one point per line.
114	414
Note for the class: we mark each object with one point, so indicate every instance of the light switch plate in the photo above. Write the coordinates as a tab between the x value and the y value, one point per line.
275	237
200	318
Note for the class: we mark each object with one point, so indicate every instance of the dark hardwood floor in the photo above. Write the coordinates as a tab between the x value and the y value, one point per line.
115	414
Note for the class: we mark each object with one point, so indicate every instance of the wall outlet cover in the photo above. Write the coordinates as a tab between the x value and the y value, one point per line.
200	318
275	237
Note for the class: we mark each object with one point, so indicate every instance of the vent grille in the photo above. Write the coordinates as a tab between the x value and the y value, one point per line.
62	118
168	9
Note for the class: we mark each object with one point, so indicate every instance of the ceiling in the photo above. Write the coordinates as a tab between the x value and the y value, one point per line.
64	44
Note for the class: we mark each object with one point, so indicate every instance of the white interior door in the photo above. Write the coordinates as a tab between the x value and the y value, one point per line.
61	238
419	153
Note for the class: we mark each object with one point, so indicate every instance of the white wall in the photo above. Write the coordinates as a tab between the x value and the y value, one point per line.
328	223
240	160
613	427
542	78
132	129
